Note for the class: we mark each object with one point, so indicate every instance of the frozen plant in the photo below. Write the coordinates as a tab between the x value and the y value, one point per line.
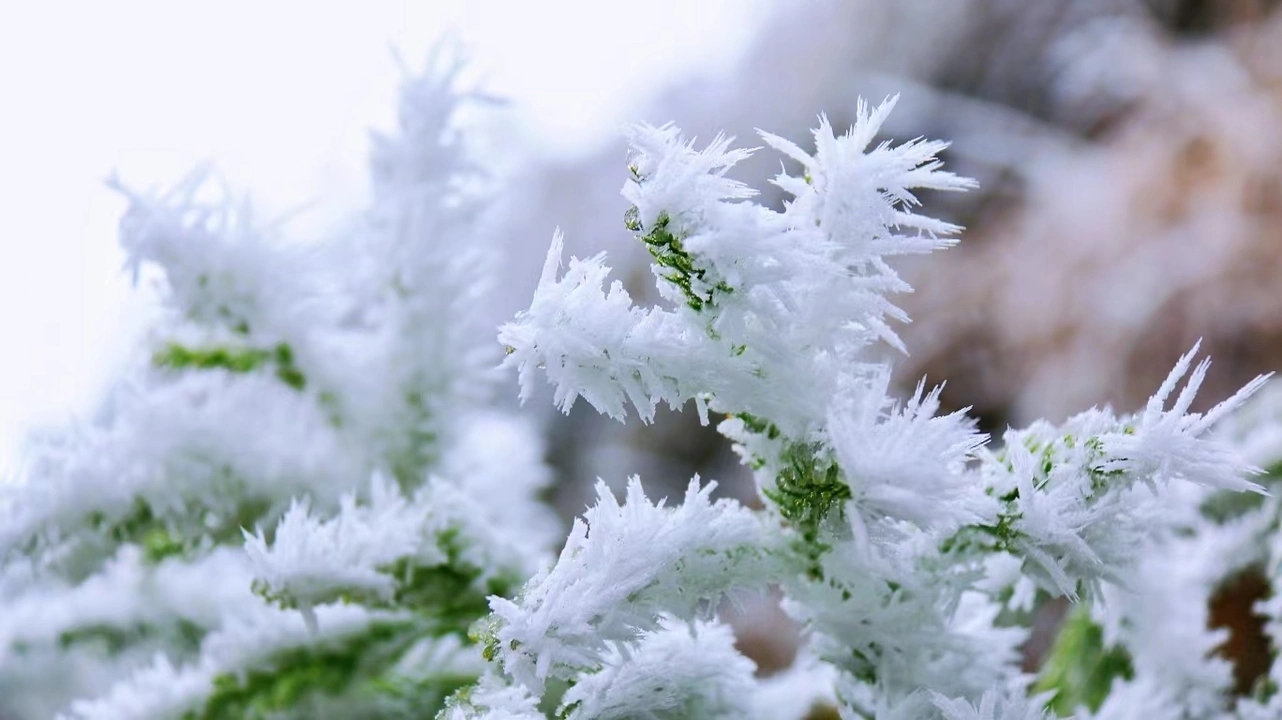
285	510
303	503
909	549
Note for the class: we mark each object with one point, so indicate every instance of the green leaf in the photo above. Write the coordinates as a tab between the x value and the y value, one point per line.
1080	669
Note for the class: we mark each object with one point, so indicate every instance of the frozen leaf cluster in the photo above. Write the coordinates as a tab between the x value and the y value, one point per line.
908	548
286	507
303	502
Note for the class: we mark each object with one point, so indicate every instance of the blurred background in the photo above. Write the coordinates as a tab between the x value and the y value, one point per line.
1129	154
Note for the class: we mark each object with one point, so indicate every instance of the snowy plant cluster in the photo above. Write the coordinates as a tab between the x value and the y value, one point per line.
305	501
287	508
909	548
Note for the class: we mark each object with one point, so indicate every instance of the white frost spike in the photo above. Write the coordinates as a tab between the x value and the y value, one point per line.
1056	522
1089	494
622	568
312	560
857	195
995	705
493	699
904	461
220	266
676	178
579	333
676	672
1168	444
172	445
856	199
768	309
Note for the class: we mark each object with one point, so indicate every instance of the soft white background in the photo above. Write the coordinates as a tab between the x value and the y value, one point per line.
278	96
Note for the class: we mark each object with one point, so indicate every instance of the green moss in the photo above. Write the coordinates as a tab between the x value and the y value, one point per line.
233	359
668	252
415	699
183	636
333	408
163	537
141	526
1080	669
760	426
863	667
132	527
158	544
1264	689
286	370
1001	536
448	597
418	448
237	360
1100	479
299	676
806	492
453	594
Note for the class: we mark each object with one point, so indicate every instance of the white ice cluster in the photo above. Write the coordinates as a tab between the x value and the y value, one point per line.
287	508
909	550
304	503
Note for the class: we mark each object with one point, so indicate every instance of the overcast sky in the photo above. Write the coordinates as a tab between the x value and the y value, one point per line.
278	96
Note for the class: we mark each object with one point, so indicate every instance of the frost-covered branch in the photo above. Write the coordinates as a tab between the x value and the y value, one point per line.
623	568
1079	500
283	375
911	547
303	503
